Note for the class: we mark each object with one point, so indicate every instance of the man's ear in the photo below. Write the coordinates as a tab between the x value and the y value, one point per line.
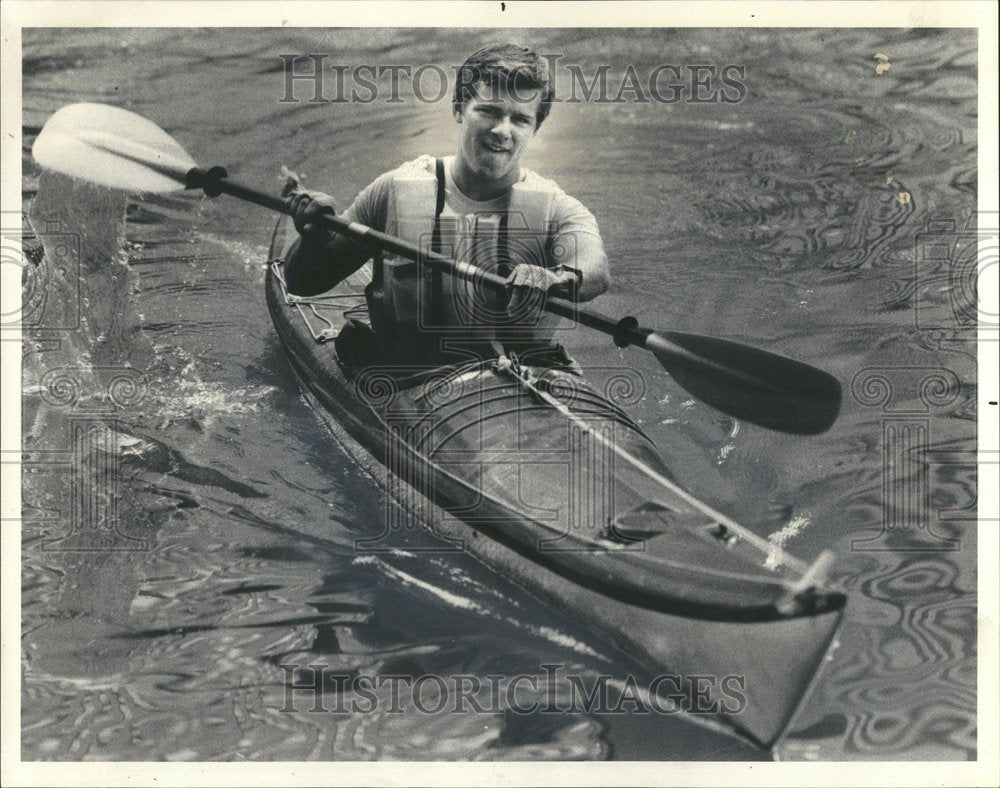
458	114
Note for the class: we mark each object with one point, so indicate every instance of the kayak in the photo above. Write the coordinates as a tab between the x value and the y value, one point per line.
529	467
542	476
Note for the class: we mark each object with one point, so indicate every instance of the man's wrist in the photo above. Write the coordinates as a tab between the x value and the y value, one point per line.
570	287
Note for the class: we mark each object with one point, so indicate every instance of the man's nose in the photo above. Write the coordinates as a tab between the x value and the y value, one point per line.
502	127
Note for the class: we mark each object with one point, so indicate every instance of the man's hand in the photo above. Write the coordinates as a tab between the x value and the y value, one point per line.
320	258
306	207
528	284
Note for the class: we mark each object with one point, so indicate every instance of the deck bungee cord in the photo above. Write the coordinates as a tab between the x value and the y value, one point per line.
511	367
314	305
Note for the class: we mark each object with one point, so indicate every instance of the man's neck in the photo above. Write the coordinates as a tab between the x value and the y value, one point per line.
477	188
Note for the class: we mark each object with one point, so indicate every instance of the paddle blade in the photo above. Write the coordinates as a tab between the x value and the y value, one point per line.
111	147
750	384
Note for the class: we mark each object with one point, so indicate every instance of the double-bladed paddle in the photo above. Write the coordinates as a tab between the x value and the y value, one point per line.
122	150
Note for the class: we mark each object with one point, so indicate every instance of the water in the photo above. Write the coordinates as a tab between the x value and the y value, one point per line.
820	217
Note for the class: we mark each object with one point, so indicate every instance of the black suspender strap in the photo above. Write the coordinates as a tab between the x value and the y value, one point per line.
436	237
437	281
504	264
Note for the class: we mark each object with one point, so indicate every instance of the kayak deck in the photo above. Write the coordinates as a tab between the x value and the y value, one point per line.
531	458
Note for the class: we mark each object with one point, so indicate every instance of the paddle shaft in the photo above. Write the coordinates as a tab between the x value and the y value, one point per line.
625	332
739	380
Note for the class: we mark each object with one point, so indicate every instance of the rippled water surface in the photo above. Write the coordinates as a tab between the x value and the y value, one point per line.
828	216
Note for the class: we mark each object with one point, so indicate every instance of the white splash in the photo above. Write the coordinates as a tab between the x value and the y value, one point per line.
778	539
727	449
446	596
463	603
562	639
205	401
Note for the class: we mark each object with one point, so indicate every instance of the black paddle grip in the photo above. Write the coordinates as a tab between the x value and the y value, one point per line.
624	332
213	182
209	181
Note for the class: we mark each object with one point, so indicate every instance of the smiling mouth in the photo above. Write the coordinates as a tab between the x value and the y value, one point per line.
495	148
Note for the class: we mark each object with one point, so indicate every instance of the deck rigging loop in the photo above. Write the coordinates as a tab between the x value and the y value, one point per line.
312	309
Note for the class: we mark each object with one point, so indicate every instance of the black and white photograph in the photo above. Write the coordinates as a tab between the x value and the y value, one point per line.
471	392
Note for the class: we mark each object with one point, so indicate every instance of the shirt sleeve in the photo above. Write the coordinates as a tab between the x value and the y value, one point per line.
576	240
371	206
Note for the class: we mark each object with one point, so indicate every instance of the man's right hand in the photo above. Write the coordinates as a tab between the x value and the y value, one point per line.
305	208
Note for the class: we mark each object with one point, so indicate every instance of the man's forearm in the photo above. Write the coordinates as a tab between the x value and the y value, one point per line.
596	280
317	263
591	261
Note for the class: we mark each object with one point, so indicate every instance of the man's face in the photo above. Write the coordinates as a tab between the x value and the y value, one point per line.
497	127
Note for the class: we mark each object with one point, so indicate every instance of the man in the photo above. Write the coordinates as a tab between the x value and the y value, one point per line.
479	205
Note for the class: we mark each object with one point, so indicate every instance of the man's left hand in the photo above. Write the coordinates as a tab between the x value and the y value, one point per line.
527	284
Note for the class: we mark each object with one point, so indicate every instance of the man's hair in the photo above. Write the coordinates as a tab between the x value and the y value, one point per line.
515	67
